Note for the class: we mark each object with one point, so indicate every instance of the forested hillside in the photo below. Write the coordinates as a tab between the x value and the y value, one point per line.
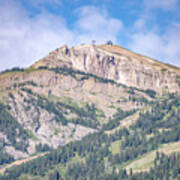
94	156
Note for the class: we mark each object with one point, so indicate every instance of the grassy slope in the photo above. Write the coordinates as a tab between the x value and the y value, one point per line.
144	162
115	147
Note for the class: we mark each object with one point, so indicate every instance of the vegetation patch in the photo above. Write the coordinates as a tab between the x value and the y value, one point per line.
115	147
146	162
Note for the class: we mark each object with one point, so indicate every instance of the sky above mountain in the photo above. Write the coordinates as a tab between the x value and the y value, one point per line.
30	29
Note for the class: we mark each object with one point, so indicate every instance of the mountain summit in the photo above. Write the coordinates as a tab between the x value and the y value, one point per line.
116	63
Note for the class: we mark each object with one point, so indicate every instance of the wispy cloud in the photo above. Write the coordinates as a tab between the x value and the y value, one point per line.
26	36
24	39
165	46
150	37
162	4
95	23
42	3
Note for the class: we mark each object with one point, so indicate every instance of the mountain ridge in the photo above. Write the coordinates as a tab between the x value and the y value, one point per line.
116	63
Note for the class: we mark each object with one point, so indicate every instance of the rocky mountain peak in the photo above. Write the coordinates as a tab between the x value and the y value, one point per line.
116	63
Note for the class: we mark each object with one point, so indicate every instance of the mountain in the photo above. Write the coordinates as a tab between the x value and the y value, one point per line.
99	107
116	63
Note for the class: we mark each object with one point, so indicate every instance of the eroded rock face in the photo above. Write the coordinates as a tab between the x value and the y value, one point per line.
116	63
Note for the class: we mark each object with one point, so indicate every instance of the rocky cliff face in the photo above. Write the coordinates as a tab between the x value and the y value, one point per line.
116	63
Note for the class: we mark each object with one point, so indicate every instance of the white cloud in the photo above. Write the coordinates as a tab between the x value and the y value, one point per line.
25	39
164	47
155	40
41	3
139	24
95	23
162	4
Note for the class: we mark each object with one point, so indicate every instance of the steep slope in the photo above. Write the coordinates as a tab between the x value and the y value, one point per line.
118	64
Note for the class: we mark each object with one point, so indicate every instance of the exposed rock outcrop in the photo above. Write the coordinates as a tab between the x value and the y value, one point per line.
116	63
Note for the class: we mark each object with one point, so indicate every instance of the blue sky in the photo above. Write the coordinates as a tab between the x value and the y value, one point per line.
30	29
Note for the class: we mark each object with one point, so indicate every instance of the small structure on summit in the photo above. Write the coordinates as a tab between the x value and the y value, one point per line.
109	43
